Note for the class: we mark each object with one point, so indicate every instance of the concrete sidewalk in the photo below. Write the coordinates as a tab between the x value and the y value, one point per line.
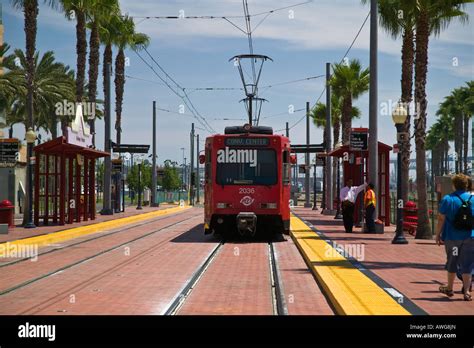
416	269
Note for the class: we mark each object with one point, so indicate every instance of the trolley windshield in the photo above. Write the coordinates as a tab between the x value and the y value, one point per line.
246	167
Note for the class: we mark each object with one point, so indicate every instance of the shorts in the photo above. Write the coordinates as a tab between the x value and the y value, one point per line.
460	255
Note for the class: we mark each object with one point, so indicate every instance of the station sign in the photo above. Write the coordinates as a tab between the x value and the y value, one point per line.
117	165
79	133
9	152
244	142
359	140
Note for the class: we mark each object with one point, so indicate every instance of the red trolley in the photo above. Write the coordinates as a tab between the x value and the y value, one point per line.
247	181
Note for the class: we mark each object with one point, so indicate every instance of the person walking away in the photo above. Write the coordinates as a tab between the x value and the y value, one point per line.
370	204
348	196
454	230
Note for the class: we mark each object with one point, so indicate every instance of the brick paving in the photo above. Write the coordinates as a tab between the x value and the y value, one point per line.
80	248
416	269
237	282
143	282
302	294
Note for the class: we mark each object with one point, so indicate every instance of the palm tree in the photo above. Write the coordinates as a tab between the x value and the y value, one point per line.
100	11
53	83
397	18
349	82
318	114
136	41
78	10
11	87
108	34
469	90
465	95
30	10
432	16
437	141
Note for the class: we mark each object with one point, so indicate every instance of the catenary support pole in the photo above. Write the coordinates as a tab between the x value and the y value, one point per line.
191	166
106	208
328	169
154	201
307	189
198	180
373	101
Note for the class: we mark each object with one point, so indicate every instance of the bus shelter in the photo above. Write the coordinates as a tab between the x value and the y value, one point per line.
356	167
64	182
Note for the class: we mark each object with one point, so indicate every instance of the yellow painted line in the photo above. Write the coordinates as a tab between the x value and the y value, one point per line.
349	290
61	236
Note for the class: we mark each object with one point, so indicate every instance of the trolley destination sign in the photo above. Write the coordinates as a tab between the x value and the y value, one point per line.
244	142
9	149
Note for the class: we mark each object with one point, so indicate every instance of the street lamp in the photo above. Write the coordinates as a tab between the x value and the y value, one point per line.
399	117
30	140
139	162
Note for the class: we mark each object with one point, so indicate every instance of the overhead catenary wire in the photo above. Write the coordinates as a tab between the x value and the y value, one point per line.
224	17
342	59
176	90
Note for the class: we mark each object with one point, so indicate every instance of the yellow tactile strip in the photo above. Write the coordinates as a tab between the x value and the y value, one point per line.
61	236
349	290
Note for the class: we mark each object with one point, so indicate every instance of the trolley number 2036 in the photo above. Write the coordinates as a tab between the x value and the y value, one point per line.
246	190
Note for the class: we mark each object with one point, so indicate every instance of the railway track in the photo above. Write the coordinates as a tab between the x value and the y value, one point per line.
277	294
112	233
94	256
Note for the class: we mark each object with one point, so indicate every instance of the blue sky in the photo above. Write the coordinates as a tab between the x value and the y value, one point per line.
195	52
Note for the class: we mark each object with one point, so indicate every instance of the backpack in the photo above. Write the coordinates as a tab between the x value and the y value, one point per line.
463	220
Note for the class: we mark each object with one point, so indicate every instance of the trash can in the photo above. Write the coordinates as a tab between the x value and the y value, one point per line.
7	212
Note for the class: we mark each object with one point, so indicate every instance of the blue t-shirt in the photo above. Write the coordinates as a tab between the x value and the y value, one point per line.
449	206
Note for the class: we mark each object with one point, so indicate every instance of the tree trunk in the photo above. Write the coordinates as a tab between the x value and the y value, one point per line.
30	10
94	58
408	55
54	128
107	60
466	142
336	132
457	142
119	88
423	230
81	50
346	119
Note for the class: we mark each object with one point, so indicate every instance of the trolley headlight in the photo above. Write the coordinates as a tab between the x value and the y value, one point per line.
223	205
268	205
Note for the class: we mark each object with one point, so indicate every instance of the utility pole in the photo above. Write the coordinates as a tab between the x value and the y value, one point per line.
106	208
287	130
307	203
198	180
328	140
153	169
185	175
373	100
191	166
